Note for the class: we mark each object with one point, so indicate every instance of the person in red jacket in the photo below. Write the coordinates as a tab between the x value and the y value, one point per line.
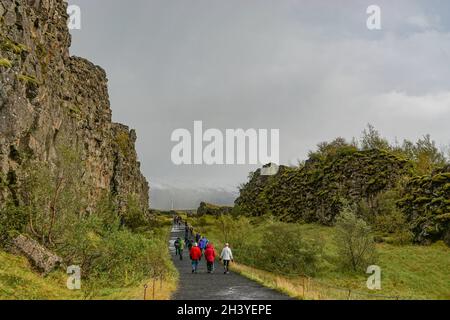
196	255
210	256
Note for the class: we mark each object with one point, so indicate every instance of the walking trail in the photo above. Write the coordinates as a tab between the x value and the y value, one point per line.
216	286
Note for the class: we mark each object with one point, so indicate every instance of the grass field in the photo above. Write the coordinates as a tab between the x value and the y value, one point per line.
18	281
408	271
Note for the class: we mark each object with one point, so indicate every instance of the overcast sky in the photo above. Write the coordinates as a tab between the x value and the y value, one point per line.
309	68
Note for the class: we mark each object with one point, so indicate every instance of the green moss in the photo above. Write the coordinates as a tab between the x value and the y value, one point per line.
5	63
315	192
123	141
444	177
14	47
28	79
75	110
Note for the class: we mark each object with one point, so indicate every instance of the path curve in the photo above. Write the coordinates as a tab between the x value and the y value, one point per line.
216	286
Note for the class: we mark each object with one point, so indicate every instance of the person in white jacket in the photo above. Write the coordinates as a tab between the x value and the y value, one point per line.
226	256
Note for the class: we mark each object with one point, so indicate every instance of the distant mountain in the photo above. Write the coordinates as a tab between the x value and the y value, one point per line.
189	198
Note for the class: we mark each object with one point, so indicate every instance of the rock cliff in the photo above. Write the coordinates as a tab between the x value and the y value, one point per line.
48	97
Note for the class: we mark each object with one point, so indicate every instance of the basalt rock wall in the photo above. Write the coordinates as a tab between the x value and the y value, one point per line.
48	97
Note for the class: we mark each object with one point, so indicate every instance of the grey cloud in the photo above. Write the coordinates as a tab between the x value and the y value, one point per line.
308	68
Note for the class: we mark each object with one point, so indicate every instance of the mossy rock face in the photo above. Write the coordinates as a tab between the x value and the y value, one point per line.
11	46
212	209
28	79
426	203
49	98
123	141
317	191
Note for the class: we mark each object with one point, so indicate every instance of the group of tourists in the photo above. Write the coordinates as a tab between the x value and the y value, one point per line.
177	221
199	246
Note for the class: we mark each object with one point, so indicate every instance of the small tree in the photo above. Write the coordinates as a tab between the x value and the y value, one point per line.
54	194
225	226
371	139
356	246
134	216
13	219
285	251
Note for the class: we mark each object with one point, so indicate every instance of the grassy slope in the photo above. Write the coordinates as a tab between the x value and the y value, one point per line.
19	282
421	272
418	272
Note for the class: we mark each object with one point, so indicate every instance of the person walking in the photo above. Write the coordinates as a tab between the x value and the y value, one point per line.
177	246
197	237
210	256
202	244
226	256
195	255
186	232
180	248
190	245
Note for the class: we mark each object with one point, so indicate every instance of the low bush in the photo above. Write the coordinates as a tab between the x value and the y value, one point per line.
271	246
356	246
285	251
13	220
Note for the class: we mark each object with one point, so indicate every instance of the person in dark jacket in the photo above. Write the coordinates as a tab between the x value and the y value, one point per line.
190	245
210	256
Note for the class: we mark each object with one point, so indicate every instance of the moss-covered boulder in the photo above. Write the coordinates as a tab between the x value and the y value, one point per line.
212	209
426	203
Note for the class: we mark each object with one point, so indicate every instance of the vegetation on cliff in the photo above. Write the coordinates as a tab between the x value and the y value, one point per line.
70	178
212	209
115	247
389	185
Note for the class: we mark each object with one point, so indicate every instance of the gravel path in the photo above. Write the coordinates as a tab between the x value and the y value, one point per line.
216	286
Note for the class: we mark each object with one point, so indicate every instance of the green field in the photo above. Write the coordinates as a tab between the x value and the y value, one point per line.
408	271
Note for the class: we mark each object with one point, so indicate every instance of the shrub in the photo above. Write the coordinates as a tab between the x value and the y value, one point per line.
285	251
356	246
54	196
13	220
386	218
134	216
126	258
233	230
